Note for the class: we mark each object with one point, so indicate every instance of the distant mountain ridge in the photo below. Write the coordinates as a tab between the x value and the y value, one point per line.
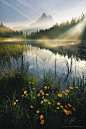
45	17
42	23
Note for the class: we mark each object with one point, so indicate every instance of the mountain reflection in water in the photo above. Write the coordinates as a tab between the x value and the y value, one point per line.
62	60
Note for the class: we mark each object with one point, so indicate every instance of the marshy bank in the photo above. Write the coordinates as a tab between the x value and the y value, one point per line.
24	105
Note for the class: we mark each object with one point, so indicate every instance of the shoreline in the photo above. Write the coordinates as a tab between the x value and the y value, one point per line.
19	39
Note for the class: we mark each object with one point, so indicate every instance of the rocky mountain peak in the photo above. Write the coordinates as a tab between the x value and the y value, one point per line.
44	15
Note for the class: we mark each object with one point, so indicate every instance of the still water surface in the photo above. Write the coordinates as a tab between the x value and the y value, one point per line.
63	60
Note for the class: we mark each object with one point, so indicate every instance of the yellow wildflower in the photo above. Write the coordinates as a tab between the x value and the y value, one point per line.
25	92
73	108
66	106
33	97
44	100
77	87
70	112
48	87
33	88
67	91
37	111
42	122
71	87
17	100
69	105
38	94
47	94
31	106
14	103
66	94
45	87
42	97
29	82
60	95
61	106
49	103
42	93
66	112
58	103
41	101
22	95
63	91
41	117
57	107
32	83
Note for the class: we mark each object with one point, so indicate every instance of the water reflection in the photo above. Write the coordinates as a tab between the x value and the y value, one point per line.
62	61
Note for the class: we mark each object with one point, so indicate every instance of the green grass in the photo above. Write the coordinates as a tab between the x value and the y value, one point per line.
22	104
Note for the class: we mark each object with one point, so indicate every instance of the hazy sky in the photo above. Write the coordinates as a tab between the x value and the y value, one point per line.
24	12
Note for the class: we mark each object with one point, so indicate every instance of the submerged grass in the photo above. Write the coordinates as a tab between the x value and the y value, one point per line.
23	106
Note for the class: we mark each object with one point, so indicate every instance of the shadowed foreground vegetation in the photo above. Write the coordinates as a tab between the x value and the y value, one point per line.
24	105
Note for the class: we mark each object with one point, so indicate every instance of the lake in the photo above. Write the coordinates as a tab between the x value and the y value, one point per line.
62	60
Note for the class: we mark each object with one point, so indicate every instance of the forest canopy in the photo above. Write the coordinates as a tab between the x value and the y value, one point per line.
6	32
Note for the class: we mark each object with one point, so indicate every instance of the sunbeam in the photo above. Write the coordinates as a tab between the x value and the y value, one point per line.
75	32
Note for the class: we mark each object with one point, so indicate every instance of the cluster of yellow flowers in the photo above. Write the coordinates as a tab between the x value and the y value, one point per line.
42	101
67	91
73	87
45	101
42	92
31	83
15	102
43	95
65	110
41	118
60	95
25	93
46	87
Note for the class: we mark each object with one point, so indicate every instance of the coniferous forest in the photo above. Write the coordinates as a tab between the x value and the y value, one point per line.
6	32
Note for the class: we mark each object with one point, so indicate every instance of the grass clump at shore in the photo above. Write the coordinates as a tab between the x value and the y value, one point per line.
22	105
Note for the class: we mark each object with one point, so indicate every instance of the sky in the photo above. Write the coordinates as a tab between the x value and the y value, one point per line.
24	12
